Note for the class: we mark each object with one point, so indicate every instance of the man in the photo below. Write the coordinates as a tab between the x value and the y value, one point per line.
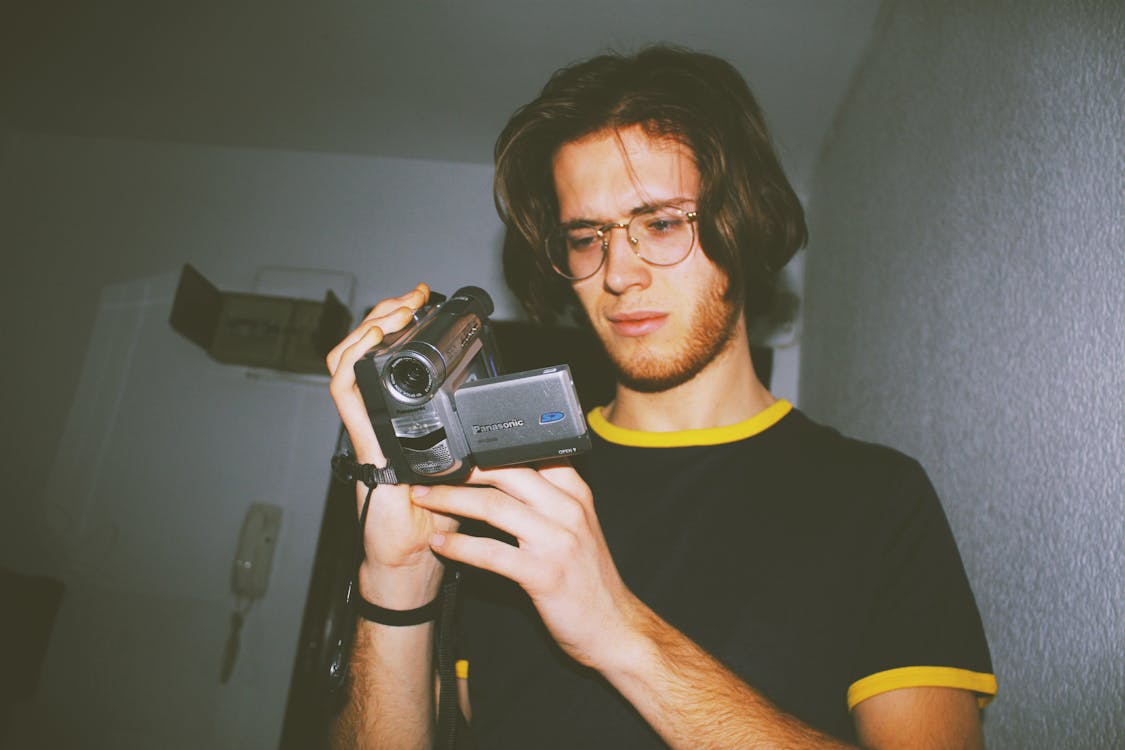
720	572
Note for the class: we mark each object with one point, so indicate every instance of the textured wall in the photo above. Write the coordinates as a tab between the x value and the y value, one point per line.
966	303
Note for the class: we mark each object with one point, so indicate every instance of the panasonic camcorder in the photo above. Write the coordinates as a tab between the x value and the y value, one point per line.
440	406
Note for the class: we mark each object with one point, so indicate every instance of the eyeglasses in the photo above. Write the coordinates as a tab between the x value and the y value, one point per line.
662	236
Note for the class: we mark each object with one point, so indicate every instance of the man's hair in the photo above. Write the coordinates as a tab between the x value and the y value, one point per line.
750	220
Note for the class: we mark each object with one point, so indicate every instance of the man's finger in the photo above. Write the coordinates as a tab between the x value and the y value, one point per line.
484	553
396	320
388	315
492	506
413	299
556	495
346	353
561	474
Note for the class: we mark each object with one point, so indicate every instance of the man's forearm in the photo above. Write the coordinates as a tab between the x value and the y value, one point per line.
391	690
693	701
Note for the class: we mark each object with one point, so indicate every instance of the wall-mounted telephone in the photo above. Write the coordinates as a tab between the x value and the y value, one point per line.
256	545
251	572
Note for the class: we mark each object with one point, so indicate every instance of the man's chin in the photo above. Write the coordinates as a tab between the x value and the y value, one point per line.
663	361
656	376
656	371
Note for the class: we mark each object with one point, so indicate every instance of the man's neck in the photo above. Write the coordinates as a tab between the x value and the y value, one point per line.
725	392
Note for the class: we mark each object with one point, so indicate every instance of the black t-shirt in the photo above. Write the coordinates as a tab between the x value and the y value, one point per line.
819	569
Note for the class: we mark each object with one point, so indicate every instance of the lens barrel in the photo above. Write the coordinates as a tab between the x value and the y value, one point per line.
411	378
436	345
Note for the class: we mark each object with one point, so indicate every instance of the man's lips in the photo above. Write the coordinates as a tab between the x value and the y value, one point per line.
637	323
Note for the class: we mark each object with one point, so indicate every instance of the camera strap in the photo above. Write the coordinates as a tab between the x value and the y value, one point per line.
347	469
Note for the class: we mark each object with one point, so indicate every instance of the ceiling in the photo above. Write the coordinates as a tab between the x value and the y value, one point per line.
422	80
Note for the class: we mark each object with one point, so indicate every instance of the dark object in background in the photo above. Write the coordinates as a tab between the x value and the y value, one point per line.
30	605
257	330
525	346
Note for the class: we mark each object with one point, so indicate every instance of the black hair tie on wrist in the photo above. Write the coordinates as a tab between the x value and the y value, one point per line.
397	617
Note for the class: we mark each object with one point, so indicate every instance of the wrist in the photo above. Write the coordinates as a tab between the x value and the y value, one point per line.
400	587
635	644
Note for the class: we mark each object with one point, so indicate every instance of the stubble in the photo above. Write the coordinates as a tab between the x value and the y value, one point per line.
711	331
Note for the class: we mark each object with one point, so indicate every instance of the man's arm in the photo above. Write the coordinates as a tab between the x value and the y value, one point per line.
391	700
686	695
693	701
391	693
922	717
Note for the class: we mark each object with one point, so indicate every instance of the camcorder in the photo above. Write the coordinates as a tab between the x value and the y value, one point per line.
440	406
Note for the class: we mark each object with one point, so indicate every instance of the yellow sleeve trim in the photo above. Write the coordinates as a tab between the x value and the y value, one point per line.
761	421
984	685
461	669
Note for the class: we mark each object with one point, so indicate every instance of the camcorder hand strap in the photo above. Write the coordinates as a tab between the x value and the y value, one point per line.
345	468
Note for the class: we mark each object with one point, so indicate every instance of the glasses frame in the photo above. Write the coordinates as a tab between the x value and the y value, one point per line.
603	232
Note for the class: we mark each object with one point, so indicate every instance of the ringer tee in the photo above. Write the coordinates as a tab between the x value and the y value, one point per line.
818	568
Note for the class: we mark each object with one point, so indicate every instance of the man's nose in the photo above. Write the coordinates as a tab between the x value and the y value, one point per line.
623	267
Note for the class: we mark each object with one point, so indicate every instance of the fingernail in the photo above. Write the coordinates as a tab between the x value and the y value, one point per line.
437	540
419	490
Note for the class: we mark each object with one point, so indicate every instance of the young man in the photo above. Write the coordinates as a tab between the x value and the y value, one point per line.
719	571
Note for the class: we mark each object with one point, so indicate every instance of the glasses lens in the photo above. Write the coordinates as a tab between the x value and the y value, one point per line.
663	236
575	251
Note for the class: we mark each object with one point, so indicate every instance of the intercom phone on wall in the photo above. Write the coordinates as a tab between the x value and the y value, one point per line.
250	574
256	544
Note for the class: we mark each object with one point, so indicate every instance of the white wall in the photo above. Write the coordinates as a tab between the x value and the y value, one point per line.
966	299
137	506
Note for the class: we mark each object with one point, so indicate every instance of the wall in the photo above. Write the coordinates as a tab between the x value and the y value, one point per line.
131	457
966	292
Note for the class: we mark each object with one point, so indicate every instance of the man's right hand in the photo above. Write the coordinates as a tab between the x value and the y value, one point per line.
399	570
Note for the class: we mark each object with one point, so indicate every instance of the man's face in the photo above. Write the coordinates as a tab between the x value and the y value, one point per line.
660	326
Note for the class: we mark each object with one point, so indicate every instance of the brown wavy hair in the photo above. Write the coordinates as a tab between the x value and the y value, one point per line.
750	220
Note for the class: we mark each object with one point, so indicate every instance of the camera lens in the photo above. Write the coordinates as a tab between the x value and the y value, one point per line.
411	378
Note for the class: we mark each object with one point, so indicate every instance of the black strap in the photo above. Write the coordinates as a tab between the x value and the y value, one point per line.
397	617
347	469
449	711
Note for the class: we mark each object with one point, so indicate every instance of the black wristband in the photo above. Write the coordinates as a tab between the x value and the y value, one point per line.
397	617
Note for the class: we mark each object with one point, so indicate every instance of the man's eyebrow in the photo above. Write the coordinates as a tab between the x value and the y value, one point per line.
653	205
582	221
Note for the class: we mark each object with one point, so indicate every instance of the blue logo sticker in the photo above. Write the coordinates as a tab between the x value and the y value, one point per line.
551	416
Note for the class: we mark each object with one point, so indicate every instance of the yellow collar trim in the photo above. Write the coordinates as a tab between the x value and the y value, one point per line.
760	422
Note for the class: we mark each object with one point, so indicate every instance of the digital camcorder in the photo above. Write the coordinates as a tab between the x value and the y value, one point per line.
440	406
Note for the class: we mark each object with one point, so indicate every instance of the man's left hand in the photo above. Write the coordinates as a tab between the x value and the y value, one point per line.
562	560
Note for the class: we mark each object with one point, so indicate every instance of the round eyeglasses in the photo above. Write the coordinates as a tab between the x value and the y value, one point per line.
661	236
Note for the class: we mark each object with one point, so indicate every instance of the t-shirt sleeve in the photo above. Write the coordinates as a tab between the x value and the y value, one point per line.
922	626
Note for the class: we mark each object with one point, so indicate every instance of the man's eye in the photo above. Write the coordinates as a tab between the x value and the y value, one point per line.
663	224
578	241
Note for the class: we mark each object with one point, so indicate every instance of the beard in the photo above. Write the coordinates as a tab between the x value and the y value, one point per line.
711	331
